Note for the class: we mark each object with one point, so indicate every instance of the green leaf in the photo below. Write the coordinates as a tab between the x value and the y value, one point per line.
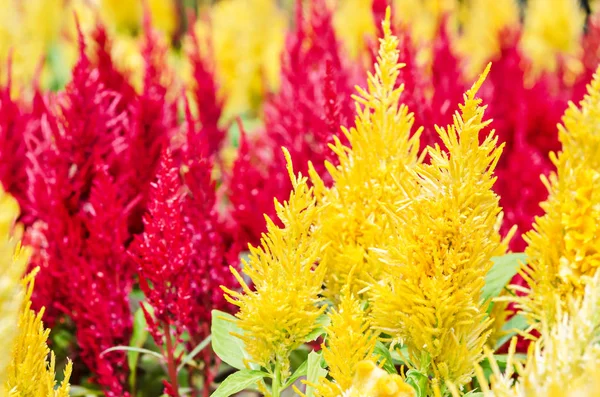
301	371
474	393
418	381
383	352
229	348
132	349
502	359
249	123
238	381
190	356
516	323
323	322
504	269
399	358
81	391
314	372
138	338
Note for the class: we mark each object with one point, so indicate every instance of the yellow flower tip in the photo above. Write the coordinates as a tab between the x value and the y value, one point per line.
477	85
370	380
386	24
364	369
289	165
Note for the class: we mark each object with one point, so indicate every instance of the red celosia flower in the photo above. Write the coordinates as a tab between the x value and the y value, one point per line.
154	122
209	105
303	116
101	277
184	253
13	122
79	218
163	252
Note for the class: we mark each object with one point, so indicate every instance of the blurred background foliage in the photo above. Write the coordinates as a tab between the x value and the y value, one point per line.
245	38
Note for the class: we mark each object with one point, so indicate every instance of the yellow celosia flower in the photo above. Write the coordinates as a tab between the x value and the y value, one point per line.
484	22
441	251
354	25
127	15
28	29
30	373
349	342
283	308
13	262
564	248
380	150
24	367
371	381
247	37
424	16
552	28
563	362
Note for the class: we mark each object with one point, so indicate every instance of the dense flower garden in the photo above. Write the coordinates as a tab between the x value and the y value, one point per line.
322	198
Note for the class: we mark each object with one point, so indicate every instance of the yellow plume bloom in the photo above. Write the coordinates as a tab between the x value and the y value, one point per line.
484	22
564	246
380	150
283	308
444	240
24	367
424	16
563	362
127	15
552	28
28	29
13	261
349	342
374	382
353	23
30	373
246	52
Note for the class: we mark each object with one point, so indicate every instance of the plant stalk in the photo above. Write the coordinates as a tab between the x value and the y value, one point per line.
171	364
276	386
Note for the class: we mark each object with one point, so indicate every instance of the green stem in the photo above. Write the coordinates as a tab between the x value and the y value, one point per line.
171	365
276	386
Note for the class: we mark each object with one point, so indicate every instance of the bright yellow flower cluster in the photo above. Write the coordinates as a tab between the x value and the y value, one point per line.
563	362
380	151
24	367
13	261
484	22
353	22
127	15
563	302
442	248
282	309
349	343
414	240
564	247
247	37
374	382
28	29
551	28
30	373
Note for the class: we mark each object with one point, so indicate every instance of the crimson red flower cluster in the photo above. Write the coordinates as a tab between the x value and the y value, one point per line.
85	165
304	116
